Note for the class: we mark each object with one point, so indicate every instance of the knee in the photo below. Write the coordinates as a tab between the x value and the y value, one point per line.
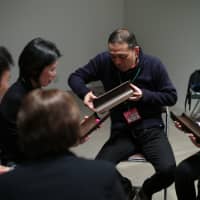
168	173
183	171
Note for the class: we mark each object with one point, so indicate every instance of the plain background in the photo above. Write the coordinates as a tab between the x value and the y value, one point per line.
167	29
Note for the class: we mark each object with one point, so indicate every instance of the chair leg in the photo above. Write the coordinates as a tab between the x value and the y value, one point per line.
165	194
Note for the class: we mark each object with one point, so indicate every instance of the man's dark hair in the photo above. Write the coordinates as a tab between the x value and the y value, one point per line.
36	55
6	60
48	122
121	36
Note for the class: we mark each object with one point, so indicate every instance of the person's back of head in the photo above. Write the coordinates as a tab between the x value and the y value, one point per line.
48	122
6	61
36	55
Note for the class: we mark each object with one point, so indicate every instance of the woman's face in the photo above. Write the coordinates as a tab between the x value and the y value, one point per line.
48	74
4	82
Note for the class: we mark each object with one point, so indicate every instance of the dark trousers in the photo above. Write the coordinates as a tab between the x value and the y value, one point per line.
186	173
153	144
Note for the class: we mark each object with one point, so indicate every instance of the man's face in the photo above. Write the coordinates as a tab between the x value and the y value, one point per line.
123	57
4	82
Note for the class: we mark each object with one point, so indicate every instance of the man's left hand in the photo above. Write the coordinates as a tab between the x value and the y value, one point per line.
137	93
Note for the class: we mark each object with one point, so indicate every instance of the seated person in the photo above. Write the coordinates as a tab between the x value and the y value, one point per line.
37	68
136	123
49	124
188	172
6	61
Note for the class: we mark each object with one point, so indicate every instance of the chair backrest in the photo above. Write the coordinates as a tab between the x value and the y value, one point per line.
193	86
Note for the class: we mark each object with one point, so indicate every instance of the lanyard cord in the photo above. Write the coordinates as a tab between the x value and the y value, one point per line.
136	75
134	78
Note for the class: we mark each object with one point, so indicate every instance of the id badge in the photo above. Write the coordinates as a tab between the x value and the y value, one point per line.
132	115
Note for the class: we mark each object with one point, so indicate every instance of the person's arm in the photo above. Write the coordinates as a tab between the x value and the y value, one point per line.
164	93
79	79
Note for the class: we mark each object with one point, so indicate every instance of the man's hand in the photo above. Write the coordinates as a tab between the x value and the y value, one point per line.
190	135
178	125
85	139
88	100
4	169
137	93
194	140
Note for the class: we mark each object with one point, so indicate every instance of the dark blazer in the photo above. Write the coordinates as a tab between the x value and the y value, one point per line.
62	178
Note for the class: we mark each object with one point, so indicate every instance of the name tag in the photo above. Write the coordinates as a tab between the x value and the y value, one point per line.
132	115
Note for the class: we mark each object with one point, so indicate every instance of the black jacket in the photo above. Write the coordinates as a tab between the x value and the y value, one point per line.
9	108
63	178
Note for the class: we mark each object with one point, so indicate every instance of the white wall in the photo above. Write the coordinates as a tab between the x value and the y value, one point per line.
170	30
79	28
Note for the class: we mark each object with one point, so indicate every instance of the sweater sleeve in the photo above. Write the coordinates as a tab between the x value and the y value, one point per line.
164	93
79	79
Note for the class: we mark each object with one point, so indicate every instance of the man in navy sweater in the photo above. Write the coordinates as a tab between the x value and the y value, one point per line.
136	124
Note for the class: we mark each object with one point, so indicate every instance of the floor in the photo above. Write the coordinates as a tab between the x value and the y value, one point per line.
136	172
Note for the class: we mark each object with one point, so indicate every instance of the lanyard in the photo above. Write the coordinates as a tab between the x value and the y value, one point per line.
134	78
136	75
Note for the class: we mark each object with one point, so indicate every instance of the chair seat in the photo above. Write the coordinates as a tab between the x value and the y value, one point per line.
138	157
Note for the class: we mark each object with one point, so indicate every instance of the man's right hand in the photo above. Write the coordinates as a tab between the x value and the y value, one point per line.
88	100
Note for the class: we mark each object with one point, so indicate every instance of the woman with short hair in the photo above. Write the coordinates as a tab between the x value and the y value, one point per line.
49	124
